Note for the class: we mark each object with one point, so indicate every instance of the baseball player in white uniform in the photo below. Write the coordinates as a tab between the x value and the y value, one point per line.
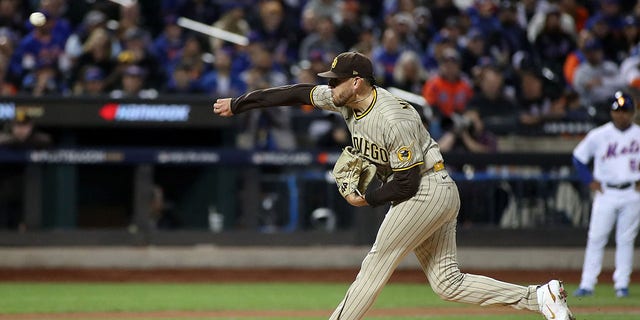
424	199
615	150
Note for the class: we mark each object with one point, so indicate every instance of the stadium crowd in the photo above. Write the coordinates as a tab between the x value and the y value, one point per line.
517	63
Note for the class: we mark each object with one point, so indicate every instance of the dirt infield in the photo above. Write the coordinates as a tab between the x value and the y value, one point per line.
285	275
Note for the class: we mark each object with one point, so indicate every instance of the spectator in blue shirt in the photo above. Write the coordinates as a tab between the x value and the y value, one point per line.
59	25
474	49
275	32
193	54
510	37
221	81
45	78
609	11
611	39
167	45
182	80
385	56
440	42
91	82
483	16
41	47
630	35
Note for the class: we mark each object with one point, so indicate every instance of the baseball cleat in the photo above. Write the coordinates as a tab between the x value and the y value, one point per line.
553	301
582	292
622	292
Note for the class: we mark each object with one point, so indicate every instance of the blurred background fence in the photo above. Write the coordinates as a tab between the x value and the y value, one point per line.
166	171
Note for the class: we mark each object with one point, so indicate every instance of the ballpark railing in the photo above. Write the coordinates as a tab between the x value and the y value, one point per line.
166	171
267	192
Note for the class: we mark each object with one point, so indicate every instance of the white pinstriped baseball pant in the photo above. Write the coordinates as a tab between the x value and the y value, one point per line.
426	225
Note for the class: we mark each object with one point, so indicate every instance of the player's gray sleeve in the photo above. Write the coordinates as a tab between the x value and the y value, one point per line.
273	97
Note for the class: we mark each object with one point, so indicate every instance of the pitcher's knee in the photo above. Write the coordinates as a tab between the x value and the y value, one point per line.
447	285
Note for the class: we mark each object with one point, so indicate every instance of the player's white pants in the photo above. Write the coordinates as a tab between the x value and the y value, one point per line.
426	224
620	208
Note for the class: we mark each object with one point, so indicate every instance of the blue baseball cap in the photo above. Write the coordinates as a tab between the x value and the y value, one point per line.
442	37
622	101
592	44
93	74
135	71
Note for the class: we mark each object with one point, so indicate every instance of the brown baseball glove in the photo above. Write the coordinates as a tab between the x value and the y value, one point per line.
352	172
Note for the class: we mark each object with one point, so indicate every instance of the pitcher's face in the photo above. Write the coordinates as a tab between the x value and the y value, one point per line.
342	91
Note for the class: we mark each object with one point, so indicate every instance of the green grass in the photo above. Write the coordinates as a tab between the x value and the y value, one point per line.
56	297
140	297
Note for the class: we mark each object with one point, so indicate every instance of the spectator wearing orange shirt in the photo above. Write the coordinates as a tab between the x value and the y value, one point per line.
577	11
575	58
449	91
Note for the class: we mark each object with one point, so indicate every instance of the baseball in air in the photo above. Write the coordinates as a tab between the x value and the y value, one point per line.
37	19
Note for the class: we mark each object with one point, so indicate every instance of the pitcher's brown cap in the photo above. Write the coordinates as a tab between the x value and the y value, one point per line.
349	64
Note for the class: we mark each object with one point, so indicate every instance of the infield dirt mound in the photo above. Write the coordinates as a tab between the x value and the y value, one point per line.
633	312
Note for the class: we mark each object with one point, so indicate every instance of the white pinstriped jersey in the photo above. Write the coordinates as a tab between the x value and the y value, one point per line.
615	153
389	133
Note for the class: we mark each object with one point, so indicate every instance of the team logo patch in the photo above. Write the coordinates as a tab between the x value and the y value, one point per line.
404	154
335	61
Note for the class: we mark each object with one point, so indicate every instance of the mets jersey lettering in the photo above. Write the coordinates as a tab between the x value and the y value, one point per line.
616	154
614	151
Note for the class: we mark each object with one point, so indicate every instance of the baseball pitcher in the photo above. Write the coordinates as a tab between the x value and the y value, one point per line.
615	150
387	132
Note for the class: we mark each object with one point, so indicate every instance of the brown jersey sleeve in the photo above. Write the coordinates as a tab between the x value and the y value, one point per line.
404	185
277	96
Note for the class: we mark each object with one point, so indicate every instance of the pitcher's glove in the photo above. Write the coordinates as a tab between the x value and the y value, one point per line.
352	172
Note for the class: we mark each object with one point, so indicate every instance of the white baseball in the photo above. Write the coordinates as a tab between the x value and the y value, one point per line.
37	19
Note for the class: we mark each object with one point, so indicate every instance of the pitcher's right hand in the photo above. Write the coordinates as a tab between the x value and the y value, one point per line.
222	107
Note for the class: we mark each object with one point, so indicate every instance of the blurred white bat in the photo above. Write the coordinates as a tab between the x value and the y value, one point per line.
124	3
212	31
